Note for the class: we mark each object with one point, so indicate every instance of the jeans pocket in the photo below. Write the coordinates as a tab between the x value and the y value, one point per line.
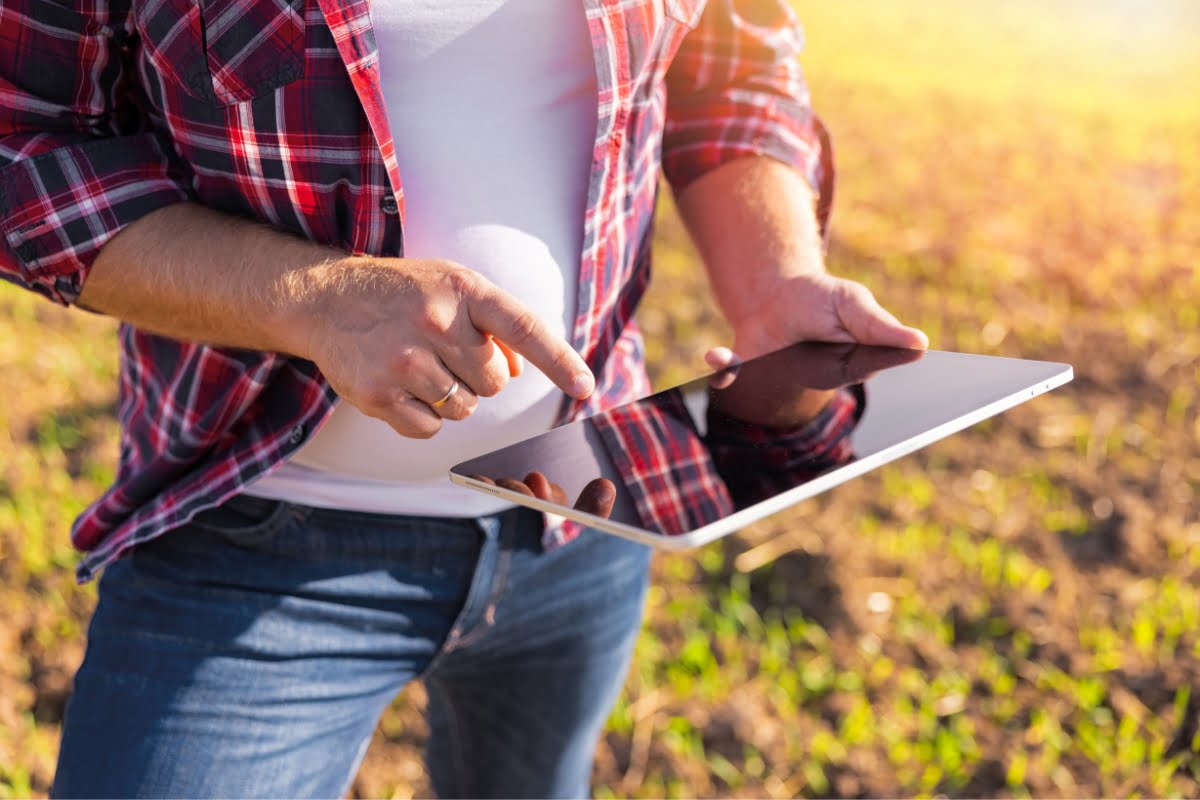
245	520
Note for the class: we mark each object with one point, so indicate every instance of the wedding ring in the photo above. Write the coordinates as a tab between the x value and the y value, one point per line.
446	397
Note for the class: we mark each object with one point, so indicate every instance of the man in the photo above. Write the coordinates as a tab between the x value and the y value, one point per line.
396	204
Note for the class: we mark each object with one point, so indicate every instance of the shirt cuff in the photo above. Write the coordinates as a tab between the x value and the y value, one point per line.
58	209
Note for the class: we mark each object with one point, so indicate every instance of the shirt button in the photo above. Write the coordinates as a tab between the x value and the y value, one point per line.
389	205
296	434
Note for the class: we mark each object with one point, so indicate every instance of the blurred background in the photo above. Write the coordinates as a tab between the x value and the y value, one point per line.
1011	612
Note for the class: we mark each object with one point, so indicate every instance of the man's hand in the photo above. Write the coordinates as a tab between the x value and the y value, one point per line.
392	335
815	306
798	380
754	223
596	498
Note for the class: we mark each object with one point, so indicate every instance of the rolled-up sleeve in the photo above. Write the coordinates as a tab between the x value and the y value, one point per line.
77	162
735	89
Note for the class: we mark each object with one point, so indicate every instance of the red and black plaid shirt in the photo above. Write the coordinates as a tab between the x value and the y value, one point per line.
272	110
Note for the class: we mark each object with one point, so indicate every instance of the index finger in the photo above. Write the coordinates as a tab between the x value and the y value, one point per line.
495	311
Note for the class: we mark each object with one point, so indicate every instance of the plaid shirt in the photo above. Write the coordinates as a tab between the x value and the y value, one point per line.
272	110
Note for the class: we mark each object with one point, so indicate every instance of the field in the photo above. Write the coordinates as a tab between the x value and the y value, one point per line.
1012	612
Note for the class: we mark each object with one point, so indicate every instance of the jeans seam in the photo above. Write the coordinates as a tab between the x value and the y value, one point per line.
489	609
454	734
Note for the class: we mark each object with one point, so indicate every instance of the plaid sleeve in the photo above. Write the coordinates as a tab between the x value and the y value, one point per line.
735	89
75	167
756	462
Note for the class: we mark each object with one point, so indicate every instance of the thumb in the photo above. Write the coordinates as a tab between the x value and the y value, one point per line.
868	322
725	362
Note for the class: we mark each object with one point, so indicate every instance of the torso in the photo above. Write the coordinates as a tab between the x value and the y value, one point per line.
492	105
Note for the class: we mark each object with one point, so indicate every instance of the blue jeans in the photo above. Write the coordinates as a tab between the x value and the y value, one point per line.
251	653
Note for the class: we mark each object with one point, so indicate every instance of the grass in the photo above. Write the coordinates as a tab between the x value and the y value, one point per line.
1012	612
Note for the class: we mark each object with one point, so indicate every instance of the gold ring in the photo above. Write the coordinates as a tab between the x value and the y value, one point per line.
446	397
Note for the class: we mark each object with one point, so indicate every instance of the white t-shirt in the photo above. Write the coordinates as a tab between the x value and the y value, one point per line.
492	105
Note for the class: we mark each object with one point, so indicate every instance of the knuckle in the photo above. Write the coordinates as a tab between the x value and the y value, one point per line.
491	382
460	280
435	320
422	427
405	360
859	292
459	412
400	426
522	328
565	359
376	399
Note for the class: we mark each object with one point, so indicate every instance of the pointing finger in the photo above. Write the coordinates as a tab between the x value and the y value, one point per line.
507	319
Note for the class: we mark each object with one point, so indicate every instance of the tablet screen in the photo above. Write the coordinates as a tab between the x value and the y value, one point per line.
691	463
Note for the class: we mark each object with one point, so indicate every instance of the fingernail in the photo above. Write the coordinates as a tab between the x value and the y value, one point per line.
583	385
722	355
922	336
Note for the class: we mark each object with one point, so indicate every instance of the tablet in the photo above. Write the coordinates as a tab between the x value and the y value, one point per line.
699	461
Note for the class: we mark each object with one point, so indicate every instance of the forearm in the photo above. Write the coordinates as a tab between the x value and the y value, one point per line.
195	274
754	223
389	334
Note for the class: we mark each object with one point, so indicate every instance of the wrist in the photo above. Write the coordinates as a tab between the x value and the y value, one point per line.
745	299
300	302
771	313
